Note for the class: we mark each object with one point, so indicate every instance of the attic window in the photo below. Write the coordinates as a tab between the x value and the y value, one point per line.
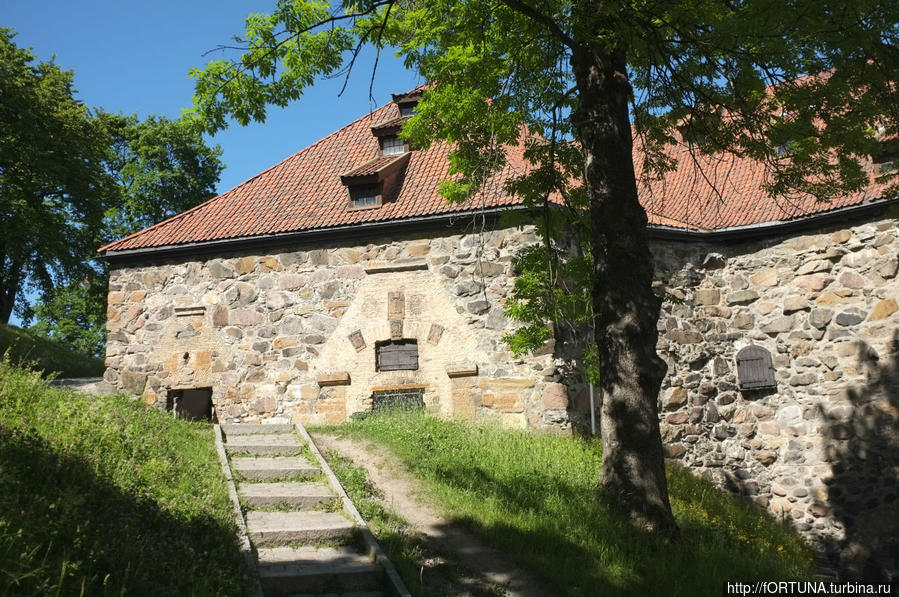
407	110
366	196
393	145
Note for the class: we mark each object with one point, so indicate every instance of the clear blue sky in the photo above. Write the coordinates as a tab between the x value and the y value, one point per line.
134	56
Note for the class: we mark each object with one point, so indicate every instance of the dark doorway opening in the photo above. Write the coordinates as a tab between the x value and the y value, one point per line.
193	404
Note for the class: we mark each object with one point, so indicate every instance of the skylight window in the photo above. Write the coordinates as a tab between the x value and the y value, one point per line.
366	196
393	145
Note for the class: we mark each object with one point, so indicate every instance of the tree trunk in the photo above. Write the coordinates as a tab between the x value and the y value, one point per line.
10	277
626	310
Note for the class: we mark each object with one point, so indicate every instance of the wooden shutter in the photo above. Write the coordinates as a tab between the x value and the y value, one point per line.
755	370
397	355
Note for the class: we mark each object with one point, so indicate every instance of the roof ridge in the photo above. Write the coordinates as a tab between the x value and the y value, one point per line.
183	214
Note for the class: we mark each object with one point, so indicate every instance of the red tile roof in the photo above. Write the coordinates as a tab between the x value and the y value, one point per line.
725	191
305	192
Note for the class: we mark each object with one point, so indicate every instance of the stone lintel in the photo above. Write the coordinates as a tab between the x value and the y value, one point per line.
461	369
338	378
401	387
380	267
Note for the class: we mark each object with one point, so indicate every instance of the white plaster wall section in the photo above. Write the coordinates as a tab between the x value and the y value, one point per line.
426	302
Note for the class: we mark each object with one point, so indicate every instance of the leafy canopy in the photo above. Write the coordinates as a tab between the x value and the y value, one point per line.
72	179
806	88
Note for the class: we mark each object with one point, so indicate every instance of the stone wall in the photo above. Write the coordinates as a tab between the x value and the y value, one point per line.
821	449
291	335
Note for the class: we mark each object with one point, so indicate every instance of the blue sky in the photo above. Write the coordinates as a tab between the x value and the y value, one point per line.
134	56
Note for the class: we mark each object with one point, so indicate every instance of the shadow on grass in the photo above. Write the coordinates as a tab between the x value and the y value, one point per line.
66	531
581	548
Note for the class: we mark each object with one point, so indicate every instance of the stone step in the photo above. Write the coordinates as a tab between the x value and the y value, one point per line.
350	594
315	570
232	429
269	529
260	469
281	444
300	496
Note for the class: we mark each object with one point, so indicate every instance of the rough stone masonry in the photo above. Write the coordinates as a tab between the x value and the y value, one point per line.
821	449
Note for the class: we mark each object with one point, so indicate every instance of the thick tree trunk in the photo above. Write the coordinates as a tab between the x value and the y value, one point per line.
626	309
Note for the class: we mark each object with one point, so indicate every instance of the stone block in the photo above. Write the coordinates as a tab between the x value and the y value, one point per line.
338	378
357	340
676	398
292	281
509	402
779	325
435	333
883	309
555	396
478	307
742	297
814	267
133	381
852	280
245	317
245	265
707	296
219	270
511	383
685	336
794	303
813	282
819	318
744	321
766	277
849	318
454	370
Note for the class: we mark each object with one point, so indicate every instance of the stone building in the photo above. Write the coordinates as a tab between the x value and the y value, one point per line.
339	280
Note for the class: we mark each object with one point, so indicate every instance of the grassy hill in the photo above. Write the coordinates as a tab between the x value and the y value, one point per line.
103	496
46	355
531	497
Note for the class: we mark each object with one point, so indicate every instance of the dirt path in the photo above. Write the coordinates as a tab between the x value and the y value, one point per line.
463	565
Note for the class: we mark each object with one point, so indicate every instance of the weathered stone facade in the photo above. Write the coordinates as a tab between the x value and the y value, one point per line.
291	335
821	449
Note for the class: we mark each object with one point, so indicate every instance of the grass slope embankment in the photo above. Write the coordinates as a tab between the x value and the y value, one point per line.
103	496
45	355
531	496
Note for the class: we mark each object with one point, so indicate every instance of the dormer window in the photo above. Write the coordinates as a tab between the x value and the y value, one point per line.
392	145
407	110
366	196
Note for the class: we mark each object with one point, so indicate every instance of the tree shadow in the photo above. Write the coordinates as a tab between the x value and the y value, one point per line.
862	446
66	530
593	550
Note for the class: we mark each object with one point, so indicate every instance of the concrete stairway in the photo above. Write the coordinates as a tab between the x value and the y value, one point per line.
305	541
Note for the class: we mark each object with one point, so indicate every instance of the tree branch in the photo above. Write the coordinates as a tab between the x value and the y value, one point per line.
538	17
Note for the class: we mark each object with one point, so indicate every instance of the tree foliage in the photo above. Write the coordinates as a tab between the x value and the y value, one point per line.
72	179
52	182
156	168
808	88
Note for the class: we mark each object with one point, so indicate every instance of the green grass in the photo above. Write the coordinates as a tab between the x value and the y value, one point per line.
103	496
531	496
46	355
394	534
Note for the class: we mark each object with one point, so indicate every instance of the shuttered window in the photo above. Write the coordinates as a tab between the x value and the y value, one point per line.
755	368
397	355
